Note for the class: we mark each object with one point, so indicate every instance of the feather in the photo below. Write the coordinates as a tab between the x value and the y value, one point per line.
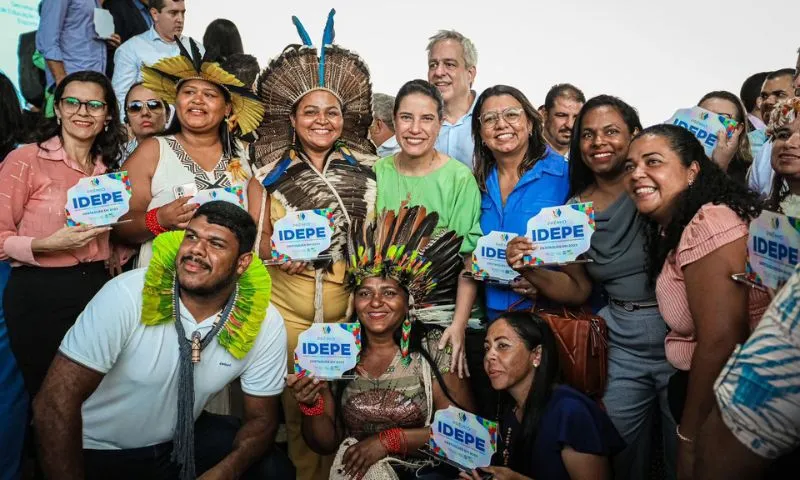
197	57
385	230
301	30
327	39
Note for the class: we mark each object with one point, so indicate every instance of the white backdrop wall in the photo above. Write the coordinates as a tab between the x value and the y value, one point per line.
658	56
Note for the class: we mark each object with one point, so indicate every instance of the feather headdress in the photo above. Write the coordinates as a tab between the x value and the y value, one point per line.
299	70
165	76
403	246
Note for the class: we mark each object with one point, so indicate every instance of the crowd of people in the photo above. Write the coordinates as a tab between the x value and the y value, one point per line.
162	346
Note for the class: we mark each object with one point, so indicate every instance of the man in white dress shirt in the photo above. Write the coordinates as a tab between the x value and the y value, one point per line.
151	46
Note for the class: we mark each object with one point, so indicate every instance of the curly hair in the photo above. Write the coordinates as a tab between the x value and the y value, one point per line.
109	143
483	157
711	185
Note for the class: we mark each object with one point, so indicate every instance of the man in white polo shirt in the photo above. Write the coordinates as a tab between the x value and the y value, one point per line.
137	380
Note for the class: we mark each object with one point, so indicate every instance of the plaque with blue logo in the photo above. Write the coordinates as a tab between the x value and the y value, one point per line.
328	351
560	234
302	236
99	201
462	439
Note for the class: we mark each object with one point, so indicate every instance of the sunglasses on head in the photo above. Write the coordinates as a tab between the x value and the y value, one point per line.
137	106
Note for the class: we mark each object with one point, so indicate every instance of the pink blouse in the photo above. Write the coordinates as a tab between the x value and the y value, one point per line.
711	228
33	195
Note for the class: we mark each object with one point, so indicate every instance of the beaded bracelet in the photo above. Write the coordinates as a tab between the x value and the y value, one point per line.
151	222
394	441
314	410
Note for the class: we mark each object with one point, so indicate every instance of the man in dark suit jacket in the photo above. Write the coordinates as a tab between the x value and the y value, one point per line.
131	17
31	78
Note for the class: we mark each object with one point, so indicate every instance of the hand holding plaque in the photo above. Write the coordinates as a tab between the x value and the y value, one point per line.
328	350
462	439
98	201
773	248
560	235
489	259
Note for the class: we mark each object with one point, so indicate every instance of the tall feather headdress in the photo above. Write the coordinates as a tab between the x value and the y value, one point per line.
299	70
404	247
165	76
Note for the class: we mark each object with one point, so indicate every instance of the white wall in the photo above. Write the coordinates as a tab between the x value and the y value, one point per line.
658	56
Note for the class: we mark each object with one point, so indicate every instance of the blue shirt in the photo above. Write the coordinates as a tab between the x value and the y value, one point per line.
144	10
570	419
455	139
66	34
544	185
144	49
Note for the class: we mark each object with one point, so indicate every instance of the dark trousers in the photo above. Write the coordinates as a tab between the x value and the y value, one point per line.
214	435
41	304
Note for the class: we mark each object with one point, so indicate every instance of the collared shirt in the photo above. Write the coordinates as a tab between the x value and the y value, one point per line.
66	34
761	172
455	139
544	185
143	49
389	147
758	391
33	192
136	404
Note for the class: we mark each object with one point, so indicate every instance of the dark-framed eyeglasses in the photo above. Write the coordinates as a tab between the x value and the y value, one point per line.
71	105
136	106
511	115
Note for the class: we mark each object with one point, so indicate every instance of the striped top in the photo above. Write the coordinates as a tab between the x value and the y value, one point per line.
711	228
758	391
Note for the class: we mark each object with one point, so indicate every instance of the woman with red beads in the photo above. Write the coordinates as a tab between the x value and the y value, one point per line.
197	152
378	420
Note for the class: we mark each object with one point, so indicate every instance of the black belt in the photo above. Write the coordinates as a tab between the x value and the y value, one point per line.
631	306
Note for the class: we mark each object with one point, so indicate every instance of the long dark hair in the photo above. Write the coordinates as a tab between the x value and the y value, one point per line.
11	121
741	161
711	185
483	157
110	141
221	40
419	333
580	175
534	331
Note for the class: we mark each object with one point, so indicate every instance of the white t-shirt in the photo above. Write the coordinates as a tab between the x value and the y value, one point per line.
135	404
761	172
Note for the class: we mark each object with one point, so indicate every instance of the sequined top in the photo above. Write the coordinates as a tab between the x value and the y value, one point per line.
396	398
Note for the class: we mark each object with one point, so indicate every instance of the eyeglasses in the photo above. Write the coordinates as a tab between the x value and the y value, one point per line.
511	115
71	105
136	106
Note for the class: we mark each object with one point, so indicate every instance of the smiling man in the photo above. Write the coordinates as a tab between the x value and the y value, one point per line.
452	60
153	347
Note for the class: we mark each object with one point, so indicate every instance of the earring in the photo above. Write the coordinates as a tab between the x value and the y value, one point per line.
404	340
691	181
106	127
58	120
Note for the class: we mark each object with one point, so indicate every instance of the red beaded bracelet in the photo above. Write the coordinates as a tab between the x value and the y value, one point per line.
151	222
394	441
317	409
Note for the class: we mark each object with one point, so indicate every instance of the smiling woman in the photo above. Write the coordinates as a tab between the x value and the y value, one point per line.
421	175
196	153
63	265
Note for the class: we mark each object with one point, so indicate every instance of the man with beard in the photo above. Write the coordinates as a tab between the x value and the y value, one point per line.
561	107
137	380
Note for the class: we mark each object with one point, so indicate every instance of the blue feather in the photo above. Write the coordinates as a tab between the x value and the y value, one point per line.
301	30
276	172
327	39
327	36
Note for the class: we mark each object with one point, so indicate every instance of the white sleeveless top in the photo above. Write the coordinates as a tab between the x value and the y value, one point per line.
175	168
